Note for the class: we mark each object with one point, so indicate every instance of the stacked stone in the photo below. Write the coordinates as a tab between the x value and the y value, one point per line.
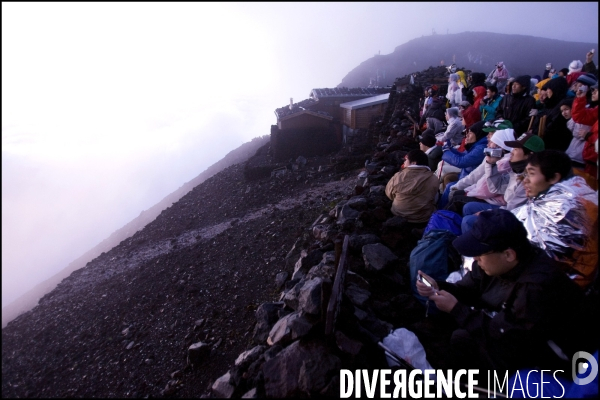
293	356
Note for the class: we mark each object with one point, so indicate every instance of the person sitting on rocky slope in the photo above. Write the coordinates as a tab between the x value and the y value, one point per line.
414	189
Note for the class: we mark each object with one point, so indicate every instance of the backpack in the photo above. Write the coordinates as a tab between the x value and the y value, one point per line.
444	219
434	255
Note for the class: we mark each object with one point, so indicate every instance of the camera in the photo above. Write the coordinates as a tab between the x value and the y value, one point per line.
493	152
422	279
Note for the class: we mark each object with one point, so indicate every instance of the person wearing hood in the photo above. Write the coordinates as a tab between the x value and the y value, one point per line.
434	126
414	189
500	76
507	181
468	160
516	106
561	214
489	104
436	107
588	116
476	79
574	71
454	130
579	131
557	135
473	187
454	94
478	95
469	114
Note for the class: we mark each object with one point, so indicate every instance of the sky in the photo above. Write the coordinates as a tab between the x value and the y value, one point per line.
108	107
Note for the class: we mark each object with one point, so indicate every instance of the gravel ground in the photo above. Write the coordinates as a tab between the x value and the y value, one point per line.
121	326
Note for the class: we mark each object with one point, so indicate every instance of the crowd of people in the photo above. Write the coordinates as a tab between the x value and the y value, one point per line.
517	159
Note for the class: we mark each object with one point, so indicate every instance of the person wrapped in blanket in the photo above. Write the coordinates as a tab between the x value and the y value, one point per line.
561	214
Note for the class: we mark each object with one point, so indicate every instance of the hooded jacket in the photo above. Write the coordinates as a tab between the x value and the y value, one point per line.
587	116
480	94
515	107
477	79
471	115
413	193
488	108
436	109
468	160
557	135
563	221
454	130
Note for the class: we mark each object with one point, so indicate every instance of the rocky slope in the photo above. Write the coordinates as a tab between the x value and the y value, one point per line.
29	299
234	265
121	326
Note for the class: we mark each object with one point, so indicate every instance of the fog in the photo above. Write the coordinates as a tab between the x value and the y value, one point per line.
109	107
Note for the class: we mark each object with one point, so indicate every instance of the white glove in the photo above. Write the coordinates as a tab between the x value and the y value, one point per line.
533	112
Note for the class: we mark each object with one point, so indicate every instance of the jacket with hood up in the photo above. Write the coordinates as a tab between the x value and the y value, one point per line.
515	107
557	135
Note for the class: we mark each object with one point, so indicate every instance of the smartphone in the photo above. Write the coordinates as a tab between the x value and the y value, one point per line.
422	279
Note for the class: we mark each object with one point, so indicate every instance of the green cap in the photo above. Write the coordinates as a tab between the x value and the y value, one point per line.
528	141
497	125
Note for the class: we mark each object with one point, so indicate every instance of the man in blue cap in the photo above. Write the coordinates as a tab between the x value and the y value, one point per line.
516	308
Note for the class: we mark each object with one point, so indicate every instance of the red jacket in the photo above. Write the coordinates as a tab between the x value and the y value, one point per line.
471	115
587	116
480	94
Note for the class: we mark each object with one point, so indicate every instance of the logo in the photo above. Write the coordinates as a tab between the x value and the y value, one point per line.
583	367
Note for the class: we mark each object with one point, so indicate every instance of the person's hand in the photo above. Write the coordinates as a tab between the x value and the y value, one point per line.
447	146
533	112
581	91
491	160
548	66
425	290
443	300
589	56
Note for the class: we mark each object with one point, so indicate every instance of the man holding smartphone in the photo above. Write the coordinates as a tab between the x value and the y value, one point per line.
511	304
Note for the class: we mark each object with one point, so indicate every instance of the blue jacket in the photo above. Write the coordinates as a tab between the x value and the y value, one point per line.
488	109
468	160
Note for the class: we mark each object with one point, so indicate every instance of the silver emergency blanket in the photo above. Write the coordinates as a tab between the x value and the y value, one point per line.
557	221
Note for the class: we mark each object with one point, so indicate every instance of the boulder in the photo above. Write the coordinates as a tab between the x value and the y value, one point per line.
356	242
266	316
280	279
289	328
198	352
222	387
300	370
347	213
378	190
357	202
357	295
306	261
309	297
377	257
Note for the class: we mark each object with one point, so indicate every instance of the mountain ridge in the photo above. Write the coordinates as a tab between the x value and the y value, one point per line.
522	54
